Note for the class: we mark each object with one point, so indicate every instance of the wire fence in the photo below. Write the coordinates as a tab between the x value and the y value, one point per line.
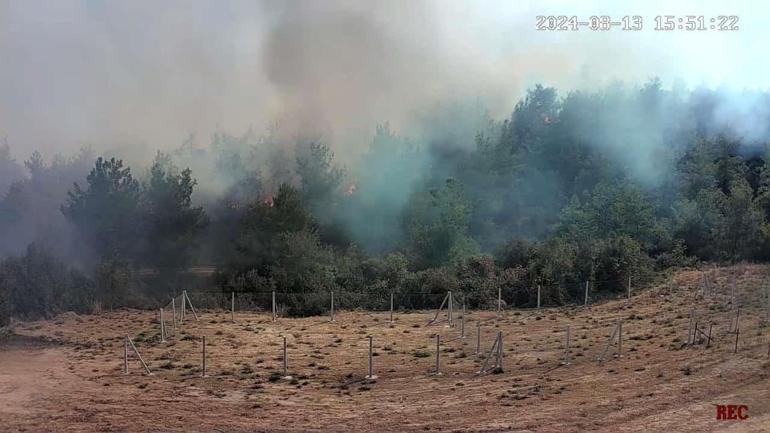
736	318
318	302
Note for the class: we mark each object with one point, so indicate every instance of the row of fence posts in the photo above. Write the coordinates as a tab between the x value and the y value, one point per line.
370	369
585	297
274	312
496	351
450	307
695	333
331	309
182	313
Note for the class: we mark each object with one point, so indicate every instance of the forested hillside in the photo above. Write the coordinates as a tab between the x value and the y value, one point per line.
579	186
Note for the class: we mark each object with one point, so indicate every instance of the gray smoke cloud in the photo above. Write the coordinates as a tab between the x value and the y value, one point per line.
128	78
142	75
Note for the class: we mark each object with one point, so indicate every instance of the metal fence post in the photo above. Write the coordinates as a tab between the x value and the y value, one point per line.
708	339
331	311
162	327
629	287
391	307
449	310
566	360
438	354
191	306
767	301
695	334
173	310
538	296
462	324
273	305
285	360
232	306
371	364
585	301
125	355
204	357
499	299
138	355
478	337
732	292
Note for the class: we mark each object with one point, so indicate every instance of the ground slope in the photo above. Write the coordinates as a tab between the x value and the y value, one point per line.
66	374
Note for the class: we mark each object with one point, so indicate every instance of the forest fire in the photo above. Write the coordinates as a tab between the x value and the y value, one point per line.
268	200
351	190
534	167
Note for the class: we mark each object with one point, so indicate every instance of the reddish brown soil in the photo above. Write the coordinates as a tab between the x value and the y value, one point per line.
74	382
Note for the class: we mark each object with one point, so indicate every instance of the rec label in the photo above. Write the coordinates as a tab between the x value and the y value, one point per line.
726	412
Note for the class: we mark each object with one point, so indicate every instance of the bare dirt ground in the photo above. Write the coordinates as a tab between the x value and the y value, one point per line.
65	374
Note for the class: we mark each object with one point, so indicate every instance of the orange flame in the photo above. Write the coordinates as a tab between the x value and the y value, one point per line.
351	189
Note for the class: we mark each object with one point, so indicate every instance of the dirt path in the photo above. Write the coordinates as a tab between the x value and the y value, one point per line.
27	377
33	379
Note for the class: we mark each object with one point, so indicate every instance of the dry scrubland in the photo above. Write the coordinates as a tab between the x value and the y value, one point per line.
66	374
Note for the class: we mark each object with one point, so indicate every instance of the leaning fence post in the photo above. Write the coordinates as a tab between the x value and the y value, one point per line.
391	307
162	327
138	355
371	368
585	301
273	305
438	353
191	305
601	357
204	357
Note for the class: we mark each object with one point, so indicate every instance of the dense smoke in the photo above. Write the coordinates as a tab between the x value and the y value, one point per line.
142	75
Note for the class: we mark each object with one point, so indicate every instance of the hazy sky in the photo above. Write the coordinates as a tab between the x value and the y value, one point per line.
144	74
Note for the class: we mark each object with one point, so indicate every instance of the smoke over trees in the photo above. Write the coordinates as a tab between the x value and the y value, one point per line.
584	186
